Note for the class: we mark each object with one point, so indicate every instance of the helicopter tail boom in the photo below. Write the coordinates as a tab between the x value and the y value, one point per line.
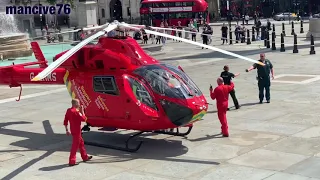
16	75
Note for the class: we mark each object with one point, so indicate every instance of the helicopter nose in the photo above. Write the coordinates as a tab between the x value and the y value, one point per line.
178	114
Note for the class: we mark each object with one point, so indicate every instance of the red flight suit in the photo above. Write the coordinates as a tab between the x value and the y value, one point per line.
75	118
221	94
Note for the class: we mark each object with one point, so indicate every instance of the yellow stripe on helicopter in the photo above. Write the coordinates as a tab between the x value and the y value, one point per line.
69	85
197	117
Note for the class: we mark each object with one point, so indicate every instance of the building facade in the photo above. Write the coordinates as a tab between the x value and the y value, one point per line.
105	11
267	8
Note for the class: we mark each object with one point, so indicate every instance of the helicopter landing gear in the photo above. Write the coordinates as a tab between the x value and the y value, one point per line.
177	133
127	149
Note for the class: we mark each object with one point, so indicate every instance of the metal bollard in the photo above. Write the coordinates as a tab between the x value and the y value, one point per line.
265	37
248	37
292	28
243	37
253	34
301	27
274	41
273	28
295	44
282	49
283	30
230	34
268	39
312	51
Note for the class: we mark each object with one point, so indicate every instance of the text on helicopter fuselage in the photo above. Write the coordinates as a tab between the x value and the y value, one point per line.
50	77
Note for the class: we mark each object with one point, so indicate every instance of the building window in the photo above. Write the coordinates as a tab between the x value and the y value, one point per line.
103	13
105	84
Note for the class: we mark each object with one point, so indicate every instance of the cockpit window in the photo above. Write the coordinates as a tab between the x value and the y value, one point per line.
141	93
163	82
191	85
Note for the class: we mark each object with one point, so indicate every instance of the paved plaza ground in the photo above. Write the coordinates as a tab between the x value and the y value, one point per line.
276	141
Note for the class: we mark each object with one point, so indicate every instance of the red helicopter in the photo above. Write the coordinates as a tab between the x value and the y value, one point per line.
119	85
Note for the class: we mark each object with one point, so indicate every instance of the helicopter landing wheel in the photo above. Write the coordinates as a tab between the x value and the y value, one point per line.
127	149
177	133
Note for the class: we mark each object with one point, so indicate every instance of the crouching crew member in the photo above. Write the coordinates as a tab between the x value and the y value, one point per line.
75	115
221	94
227	76
263	77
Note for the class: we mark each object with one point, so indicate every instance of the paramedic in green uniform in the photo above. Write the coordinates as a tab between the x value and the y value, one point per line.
263	77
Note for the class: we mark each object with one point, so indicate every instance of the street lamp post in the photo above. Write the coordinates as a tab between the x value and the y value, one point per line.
130	11
40	18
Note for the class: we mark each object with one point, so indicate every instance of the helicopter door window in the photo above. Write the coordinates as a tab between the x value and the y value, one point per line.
141	93
105	84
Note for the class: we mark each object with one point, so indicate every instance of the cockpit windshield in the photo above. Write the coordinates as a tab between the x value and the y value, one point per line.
191	85
163	82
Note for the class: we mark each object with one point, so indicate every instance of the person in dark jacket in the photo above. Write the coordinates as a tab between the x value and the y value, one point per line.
263	77
227	78
179	28
224	31
205	34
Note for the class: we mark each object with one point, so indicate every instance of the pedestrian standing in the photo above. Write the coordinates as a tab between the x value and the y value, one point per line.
194	34
205	36
158	37
179	27
224	31
174	32
258	27
144	36
221	95
75	115
263	77
227	79
247	19
152	37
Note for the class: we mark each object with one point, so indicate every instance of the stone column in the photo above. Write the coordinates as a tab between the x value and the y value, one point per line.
314	28
87	13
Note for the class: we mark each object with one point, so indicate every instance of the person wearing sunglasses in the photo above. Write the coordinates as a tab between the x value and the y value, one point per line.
263	76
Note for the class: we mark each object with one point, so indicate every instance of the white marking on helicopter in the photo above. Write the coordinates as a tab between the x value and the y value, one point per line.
50	77
2	101
35	87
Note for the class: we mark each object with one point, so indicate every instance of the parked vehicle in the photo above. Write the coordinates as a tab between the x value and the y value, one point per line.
316	15
285	16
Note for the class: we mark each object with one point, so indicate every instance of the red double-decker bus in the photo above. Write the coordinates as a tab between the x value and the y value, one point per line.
153	12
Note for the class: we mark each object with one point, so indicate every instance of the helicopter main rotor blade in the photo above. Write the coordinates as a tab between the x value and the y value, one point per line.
197	44
72	51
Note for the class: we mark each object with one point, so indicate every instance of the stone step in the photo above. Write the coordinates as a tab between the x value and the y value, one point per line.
15	54
11	37
24	45
14	41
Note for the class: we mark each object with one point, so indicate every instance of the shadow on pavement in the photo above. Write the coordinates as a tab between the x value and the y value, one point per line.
50	142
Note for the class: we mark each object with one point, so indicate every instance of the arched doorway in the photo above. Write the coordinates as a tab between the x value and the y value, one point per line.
116	10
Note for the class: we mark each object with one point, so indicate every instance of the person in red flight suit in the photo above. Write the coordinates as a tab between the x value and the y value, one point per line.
221	94
75	115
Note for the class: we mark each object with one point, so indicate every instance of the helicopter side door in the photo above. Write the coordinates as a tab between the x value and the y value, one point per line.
108	97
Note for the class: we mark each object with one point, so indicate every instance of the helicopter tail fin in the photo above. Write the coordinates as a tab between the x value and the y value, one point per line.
38	54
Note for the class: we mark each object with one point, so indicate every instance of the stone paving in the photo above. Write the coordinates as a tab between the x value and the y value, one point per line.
276	141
